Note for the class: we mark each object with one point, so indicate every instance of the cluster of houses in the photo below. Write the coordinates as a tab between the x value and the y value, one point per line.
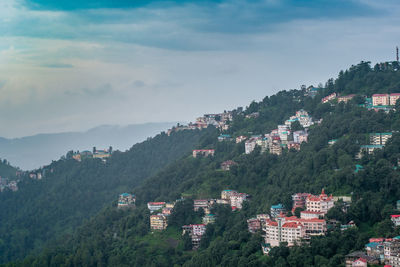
159	221
280	138
279	227
126	200
377	141
5	183
219	120
376	102
377	251
102	154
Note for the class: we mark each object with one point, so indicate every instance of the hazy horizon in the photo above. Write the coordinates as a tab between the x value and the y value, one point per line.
71	65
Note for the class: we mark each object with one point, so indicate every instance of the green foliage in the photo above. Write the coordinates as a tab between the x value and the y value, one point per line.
122	238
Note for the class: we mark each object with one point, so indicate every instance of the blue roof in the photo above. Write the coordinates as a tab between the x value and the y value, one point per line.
126	194
396	237
224	135
278	206
373	245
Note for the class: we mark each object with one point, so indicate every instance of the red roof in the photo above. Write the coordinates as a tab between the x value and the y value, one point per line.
291	225
375	95
393	94
156	203
395	216
361	259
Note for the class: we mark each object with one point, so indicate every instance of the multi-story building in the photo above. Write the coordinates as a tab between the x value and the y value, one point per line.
101	154
276	210
379	138
250	145
154	206
224	137
393	98
203	152
321	203
391	247
237	199
275	148
158	222
300	137
195	231
126	200
226	194
254	225
380	100
299	200
166	211
201	203
292	229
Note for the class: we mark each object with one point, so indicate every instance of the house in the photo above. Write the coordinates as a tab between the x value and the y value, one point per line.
240	139
252	115
101	154
276	210
360	262
166	211
201	203
393	98
158	222
346	98
354	256
395	219
195	231
224	137
375	249
293	145
126	200
226	165
236	199
299	200
154	206
380	100
203	152
369	149
275	148
321	203
208	218
300	137
332	142
254	225
328	98
226	194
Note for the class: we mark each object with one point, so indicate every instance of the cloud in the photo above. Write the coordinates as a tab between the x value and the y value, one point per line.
57	65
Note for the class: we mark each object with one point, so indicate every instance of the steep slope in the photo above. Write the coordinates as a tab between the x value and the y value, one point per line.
123	238
72	192
35	151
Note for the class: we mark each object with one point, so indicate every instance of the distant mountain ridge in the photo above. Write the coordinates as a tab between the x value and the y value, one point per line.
34	151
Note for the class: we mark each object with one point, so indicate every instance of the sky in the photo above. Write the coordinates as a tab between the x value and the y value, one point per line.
70	65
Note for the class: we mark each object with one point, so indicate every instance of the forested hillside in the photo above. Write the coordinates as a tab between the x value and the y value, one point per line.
123	238
6	170
72	192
